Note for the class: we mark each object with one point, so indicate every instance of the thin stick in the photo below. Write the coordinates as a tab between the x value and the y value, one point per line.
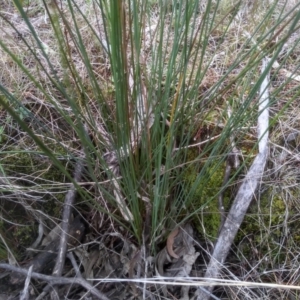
25	294
74	264
69	201
220	198
55	280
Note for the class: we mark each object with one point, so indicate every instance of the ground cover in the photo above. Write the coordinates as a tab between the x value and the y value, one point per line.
132	125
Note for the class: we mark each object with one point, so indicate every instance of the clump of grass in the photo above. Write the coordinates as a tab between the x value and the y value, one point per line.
145	77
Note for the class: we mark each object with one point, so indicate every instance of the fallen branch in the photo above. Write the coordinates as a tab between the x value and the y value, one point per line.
56	280
69	200
25	294
245	194
68	204
42	260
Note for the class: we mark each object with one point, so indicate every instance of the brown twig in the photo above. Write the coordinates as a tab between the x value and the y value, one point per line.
132	264
56	280
220	198
170	242
69	201
232	162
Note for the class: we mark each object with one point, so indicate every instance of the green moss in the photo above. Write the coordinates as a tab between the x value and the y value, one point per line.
19	163
204	184
22	237
3	251
30	171
15	237
270	209
263	225
25	235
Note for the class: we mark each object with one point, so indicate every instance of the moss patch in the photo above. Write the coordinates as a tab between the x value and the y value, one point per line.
263	225
24	171
204	183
